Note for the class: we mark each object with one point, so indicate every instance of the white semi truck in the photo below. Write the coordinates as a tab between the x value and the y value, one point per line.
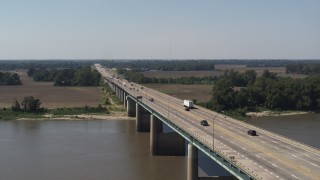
188	103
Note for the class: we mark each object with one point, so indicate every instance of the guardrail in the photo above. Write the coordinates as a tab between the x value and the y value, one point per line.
236	168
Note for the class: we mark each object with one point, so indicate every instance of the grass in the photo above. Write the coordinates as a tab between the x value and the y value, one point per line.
78	110
8	114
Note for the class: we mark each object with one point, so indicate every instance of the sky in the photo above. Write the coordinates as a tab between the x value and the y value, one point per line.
159	29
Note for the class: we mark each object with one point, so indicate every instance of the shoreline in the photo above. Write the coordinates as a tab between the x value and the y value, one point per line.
79	117
275	113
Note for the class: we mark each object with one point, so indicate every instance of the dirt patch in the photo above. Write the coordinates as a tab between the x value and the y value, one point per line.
51	96
202	93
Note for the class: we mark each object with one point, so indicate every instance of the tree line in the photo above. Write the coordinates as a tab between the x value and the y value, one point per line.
238	79
8	78
268	91
138	77
303	68
67	77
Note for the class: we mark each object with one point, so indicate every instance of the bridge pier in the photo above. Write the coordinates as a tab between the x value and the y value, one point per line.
155	128
131	107
124	99
117	92
192	172
168	144
142	119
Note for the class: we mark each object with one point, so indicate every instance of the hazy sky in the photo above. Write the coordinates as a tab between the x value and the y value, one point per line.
169	29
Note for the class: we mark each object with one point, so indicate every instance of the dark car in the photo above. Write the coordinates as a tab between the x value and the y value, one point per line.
204	123
151	99
252	132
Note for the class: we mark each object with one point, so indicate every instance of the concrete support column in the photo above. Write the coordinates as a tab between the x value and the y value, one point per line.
153	135
121	95
117	91
125	99
138	116
192	172
131	109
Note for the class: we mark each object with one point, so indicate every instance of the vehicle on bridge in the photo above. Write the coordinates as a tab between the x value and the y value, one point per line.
188	103
252	132
151	99
204	123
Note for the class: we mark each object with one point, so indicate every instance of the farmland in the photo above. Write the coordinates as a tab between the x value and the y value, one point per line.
200	92
50	96
219	70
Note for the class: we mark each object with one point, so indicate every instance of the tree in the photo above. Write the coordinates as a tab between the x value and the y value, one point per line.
16	106
250	76
223	95
30	104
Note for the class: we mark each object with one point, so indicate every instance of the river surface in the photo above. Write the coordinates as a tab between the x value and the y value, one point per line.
81	150
99	150
304	128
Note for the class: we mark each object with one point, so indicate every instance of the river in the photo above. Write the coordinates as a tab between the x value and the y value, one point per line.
81	150
107	149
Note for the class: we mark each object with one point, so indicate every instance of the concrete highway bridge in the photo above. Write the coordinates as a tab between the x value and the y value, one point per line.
225	140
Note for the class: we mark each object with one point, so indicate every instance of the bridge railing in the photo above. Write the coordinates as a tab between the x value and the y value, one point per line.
202	142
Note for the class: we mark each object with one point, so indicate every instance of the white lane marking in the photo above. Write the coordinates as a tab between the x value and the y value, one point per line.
276	147
258	156
274	165
274	141
307	155
263	142
313	164
294	176
294	155
289	147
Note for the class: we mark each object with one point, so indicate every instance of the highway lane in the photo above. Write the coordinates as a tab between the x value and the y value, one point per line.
274	150
268	167
173	114
268	155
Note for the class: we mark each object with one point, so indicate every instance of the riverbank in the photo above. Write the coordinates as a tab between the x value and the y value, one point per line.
80	117
275	113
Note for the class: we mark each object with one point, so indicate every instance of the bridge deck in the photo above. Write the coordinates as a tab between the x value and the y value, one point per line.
266	156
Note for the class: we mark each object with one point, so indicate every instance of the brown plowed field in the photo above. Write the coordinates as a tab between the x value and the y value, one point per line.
50	96
219	70
202	93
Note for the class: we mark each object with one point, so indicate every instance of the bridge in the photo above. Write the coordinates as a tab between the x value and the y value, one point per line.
225	140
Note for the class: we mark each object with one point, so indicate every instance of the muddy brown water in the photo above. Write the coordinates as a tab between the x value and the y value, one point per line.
81	150
304	128
99	150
